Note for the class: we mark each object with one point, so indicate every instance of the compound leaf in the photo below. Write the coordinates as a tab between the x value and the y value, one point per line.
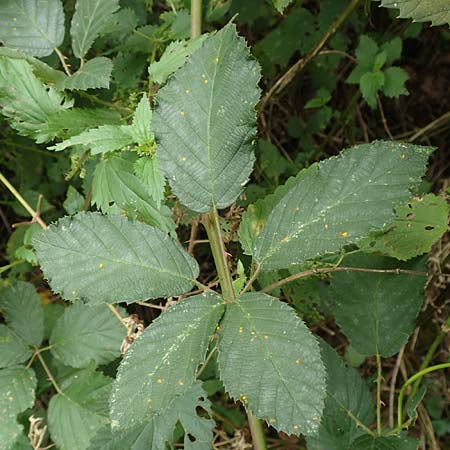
112	259
21	307
418	225
157	431
347	393
26	102
87	22
204	122
161	364
270	361
376	311
435	11
115	189
86	333
75	415
34	26
95	74
339	201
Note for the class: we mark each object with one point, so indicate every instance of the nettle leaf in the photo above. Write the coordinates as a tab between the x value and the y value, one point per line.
270	361
435	11
280	5
34	26
174	57
87	333
26	102
74	201
75	415
346	392
112	259
161	364
140	129
115	189
95	74
17	393
394	82
148	171
155	433
87	22
376	311
103	139
13	349
339	201
21	308
205	122
418	225
368	442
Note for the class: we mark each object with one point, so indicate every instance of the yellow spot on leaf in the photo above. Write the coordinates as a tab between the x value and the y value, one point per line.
205	81
326	226
403	155
216	59
296	427
218	328
344	234
187	91
241	330
74	292
183	158
14	19
244	398
266	337
285	239
181	382
101	265
182	113
14	28
298	361
159	380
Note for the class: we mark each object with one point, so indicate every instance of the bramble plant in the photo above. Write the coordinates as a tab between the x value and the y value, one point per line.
355	220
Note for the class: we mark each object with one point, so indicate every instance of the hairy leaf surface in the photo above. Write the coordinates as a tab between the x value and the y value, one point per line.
161	364
368	442
34	26
13	349
339	201
87	22
21	307
346	392
87	333
435	11
111	259
204	122
270	361
376	311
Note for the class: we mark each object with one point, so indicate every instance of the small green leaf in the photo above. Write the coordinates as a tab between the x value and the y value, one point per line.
75	416
13	349
155	433
161	364
394	84
148	171
173	58
370	83
112	259
366	51
87	22
74	201
280	5
418	225
26	102
95	74
140	130
115	189
87	333
393	49
34	26
376	311
435	11
413	402
339	201
204	122
103	139
270	361
21	307
347	393
368	442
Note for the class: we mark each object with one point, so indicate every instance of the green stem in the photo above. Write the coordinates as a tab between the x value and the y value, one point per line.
49	373
409	381
379	381
11	265
257	430
196	18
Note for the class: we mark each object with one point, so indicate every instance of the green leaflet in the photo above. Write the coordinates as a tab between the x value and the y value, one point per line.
376	311
346	392
418	225
13	349
204	122
148	171
74	201
26	102
34	26
21	307
142	119
96	73
161	365
280	5
157	431
339	201
87	22
87	333
75	416
435	11
115	189
173	58
17	386
112	259
368	442
270	361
